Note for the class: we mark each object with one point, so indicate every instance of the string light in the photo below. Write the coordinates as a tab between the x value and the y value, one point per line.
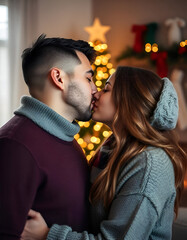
77	136
155	47
148	47
183	44
90	146
103	69
80	141
86	124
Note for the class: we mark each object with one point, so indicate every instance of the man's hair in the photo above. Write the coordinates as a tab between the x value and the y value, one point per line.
52	52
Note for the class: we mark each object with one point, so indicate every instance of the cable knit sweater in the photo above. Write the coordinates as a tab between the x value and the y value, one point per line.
143	204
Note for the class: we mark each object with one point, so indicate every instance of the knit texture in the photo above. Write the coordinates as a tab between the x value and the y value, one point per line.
47	119
142	207
165	115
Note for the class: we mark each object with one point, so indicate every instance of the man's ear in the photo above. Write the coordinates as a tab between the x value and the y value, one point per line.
56	76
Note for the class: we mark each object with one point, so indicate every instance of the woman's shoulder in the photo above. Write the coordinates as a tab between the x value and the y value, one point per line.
150	168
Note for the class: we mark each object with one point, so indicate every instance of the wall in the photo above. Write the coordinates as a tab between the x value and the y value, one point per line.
64	18
122	14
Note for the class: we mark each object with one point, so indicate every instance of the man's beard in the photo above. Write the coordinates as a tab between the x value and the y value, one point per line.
76	98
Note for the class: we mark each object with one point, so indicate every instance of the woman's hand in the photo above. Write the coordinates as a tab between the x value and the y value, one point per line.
35	228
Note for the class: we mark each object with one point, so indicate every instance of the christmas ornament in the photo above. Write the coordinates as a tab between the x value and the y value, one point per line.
174	32
97	31
139	30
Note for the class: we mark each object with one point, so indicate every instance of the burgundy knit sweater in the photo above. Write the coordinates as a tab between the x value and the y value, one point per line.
41	171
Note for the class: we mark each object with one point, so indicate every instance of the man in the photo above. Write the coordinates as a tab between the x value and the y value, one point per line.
41	165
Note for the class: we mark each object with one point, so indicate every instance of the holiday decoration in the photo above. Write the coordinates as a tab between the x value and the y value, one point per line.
163	57
97	31
162	68
93	133
174	32
150	33
139	37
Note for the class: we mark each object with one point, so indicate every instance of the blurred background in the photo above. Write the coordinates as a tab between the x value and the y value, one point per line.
146	33
150	34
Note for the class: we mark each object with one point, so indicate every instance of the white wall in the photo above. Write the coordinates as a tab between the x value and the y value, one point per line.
64	18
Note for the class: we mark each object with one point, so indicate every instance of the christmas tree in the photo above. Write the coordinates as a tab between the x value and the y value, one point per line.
93	133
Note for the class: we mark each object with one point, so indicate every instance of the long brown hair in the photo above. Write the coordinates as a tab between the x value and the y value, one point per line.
135	94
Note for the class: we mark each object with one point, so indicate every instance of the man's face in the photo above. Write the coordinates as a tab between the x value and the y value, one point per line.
80	89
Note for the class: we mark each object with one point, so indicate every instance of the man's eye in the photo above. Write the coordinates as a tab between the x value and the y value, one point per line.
89	79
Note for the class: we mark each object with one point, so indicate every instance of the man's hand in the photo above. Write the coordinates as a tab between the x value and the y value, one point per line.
35	228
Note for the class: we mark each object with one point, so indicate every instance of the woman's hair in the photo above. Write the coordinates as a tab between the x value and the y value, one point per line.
135	94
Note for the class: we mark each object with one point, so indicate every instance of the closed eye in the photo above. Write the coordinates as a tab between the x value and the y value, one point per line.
89	79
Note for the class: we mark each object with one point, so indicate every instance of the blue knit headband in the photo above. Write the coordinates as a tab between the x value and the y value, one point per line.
165	115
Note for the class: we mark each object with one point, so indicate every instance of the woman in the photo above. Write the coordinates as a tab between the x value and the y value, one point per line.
138	172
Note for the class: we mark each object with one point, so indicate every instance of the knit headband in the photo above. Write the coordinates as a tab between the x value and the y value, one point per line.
166	112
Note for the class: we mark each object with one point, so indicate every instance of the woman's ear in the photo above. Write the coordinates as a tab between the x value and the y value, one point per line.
56	76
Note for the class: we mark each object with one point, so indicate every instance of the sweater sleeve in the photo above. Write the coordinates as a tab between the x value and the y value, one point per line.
130	217
19	180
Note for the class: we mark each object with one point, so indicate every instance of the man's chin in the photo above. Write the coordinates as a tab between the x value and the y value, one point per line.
85	117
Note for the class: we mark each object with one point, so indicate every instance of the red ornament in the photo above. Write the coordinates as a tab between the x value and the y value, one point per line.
182	50
139	37
161	64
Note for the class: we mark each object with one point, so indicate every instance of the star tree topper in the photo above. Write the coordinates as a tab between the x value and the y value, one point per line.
97	31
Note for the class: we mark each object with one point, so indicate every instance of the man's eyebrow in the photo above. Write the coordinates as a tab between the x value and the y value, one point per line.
90	71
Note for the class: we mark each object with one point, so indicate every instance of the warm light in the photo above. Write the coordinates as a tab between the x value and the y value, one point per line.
106	134
80	141
185	183
93	139
182	44
97	127
98	83
104	60
86	124
76	136
98	141
98	61
148	47
155	47
91	44
186	42
90	146
83	145
105	76
111	71
100	74
104	69
104	46
98	78
81	124
108	56
92	153
100	124
88	157
109	65
98	89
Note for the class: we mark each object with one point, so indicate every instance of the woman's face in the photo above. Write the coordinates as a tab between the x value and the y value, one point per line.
104	109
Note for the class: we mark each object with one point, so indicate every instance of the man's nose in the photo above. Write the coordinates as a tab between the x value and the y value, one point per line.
94	88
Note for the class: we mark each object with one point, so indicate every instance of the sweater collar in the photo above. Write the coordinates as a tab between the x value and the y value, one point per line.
47	119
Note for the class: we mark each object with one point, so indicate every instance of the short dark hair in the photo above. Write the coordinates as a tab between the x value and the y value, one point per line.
45	52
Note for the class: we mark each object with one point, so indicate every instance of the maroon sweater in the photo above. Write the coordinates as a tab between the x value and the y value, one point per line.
42	172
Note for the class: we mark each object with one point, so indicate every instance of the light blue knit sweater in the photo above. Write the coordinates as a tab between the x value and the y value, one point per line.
143	204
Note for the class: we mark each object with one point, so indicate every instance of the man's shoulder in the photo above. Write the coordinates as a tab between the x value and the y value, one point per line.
17	126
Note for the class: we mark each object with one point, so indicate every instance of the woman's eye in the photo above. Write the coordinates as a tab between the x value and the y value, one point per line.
105	90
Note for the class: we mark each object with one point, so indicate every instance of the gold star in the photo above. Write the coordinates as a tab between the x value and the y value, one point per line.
97	31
